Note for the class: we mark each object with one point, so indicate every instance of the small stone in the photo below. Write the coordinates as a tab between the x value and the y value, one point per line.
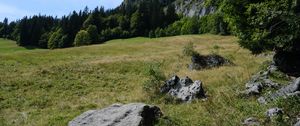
274	112
251	122
262	100
253	88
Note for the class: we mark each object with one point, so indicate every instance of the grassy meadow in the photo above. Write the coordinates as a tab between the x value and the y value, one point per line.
50	87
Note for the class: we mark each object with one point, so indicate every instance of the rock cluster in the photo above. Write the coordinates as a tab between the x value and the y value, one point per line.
260	81
202	62
134	114
292	89
184	89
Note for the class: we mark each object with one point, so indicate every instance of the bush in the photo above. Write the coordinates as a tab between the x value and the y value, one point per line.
93	32
43	42
55	40
151	34
264	25
155	79
188	50
175	28
190	26
159	32
213	23
82	38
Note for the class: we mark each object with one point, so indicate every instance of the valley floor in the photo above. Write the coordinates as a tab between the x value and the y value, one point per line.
51	87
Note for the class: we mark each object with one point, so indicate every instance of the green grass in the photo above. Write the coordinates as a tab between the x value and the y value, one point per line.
8	46
51	87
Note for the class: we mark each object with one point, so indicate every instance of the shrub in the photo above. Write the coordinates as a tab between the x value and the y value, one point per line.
213	23
82	38
155	79
55	39
190	26
264	25
159	32
151	34
93	32
188	49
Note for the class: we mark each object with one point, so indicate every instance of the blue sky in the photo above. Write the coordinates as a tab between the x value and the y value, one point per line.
16	9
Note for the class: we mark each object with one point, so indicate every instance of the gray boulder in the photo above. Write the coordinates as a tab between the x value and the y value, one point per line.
274	112
184	89
134	114
251	122
202	62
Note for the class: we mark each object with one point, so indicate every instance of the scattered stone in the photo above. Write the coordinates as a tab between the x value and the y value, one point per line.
184	89
134	114
284	92
260	81
251	122
262	100
298	123
269	83
202	62
274	112
253	88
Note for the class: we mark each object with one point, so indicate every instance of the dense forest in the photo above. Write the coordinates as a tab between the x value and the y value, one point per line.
260	25
146	18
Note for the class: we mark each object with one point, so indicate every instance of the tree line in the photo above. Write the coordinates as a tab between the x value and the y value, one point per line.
148	18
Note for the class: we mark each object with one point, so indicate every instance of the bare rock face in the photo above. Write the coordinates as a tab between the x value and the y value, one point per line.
202	62
134	114
192	8
184	89
251	122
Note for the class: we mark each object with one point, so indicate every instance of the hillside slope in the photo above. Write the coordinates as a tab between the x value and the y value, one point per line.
51	87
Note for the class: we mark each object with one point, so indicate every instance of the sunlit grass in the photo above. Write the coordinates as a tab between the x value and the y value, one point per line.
51	87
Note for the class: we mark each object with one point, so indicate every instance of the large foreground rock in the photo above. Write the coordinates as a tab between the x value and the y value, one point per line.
202	62
134	114
184	89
